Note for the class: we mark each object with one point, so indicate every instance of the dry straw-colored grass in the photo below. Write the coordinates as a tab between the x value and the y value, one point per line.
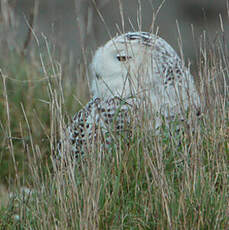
156	180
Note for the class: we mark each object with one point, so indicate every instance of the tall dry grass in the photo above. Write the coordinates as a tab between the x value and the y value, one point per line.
156	180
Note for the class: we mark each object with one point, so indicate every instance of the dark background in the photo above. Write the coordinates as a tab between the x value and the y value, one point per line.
72	24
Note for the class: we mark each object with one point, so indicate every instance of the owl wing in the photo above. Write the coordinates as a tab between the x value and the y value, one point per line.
99	119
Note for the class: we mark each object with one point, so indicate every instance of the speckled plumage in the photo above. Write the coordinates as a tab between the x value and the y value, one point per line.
136	65
98	120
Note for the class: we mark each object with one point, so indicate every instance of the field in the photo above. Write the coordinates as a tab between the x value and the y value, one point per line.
159	179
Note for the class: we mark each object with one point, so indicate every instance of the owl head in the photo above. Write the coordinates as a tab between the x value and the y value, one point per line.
142	65
118	66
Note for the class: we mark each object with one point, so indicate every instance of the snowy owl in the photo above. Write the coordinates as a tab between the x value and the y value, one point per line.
128	68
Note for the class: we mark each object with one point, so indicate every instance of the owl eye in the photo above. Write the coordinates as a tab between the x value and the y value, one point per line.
97	76
123	58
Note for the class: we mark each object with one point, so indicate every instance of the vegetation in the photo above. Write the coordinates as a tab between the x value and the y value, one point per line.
159	179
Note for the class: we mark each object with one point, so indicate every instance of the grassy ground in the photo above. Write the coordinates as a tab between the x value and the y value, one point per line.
155	181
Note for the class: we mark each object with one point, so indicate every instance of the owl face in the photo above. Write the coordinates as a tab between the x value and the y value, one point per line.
116	66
